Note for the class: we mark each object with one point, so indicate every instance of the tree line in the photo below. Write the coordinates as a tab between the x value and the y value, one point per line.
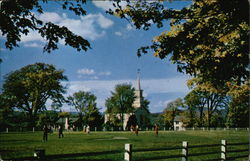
26	91
201	108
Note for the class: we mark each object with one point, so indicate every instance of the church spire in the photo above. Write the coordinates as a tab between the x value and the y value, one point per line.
138	92
138	80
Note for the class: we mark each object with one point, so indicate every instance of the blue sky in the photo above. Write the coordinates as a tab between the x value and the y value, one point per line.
111	60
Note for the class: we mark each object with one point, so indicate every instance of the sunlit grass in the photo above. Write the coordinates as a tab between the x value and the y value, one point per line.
15	145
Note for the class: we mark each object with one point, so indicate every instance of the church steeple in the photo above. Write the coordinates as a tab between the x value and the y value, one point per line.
138	80
138	92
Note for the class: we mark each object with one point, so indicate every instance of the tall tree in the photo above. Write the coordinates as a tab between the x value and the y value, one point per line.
208	39
145	104
85	104
92	116
31	86
121	101
20	17
239	111
112	112
5	111
195	103
207	103
47	118
171	111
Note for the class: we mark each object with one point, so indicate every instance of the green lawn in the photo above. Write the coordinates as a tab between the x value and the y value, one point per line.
16	145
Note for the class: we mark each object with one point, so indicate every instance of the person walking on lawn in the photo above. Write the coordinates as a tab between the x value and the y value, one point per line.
60	131
45	133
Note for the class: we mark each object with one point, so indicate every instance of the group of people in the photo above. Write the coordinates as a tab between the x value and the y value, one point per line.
135	129
46	131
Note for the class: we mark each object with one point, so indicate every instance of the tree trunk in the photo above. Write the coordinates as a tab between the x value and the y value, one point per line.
201	117
81	119
31	119
208	120
122	114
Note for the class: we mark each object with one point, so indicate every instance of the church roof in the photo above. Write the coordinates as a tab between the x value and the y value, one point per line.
142	108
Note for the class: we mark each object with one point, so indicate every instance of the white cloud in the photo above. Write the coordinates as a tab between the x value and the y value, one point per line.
105	73
151	22
107	4
162	103
103	21
91	73
75	87
94	77
102	88
87	26
125	31
177	84
51	17
91	26
33	45
86	71
129	27
32	36
2	49
118	33
2	36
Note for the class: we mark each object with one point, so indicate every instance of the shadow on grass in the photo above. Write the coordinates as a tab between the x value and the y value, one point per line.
76	156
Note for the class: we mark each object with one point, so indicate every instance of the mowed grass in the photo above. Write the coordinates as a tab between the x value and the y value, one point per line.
17	145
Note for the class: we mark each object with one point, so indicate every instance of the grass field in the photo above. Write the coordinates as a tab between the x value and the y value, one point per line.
16	145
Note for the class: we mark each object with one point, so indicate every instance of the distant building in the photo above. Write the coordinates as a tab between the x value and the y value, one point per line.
68	123
141	114
178	124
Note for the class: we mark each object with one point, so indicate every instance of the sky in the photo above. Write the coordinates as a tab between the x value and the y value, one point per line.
111	61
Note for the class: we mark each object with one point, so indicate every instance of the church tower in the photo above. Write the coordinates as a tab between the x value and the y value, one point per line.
138	93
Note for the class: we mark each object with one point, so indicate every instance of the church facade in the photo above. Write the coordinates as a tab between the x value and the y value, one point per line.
141	114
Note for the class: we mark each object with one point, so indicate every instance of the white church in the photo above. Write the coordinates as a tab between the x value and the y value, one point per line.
141	113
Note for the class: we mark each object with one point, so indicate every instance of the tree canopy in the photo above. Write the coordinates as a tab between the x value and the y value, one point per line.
19	17
206	104
238	113
85	104
30	87
171	111
208	39
121	101
5	111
